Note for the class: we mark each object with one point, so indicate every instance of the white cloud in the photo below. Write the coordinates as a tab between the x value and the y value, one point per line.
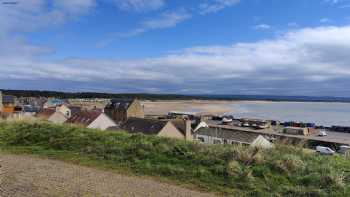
29	15
216	5
339	3
32	15
140	5
305	59
167	19
262	27
309	60
75	6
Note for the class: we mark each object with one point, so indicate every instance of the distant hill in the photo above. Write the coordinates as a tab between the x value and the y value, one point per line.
146	96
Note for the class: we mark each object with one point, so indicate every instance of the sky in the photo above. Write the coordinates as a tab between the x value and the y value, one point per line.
252	47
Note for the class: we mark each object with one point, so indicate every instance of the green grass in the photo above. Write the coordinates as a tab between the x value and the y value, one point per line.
227	169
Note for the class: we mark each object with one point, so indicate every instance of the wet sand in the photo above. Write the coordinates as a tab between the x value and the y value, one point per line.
198	106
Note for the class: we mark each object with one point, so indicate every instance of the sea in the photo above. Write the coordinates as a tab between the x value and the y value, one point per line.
321	113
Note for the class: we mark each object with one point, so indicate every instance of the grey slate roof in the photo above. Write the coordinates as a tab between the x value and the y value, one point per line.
230	134
120	103
180	125
145	126
7	99
74	109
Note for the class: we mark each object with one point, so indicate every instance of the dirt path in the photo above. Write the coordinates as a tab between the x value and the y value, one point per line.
22	176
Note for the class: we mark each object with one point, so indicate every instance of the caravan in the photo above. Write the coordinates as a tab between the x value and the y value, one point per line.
324	150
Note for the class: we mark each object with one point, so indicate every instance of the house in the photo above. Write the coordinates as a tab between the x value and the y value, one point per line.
93	119
122	109
164	128
50	103
35	102
8	100
68	110
29	109
8	103
184	126
45	114
218	135
58	118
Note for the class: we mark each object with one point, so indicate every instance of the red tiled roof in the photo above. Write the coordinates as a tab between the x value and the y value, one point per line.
84	117
46	113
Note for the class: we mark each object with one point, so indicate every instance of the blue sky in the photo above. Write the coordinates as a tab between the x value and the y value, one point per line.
292	47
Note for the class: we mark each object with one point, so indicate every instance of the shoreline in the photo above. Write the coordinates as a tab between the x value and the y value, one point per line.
298	112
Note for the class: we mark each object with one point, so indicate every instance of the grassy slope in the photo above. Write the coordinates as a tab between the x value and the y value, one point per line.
235	170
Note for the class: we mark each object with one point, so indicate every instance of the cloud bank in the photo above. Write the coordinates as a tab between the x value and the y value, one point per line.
304	61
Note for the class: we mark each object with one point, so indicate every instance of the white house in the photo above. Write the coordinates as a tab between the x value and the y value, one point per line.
58	118
102	122
92	119
68	111
217	135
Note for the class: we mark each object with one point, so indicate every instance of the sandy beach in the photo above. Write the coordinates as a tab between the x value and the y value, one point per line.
198	106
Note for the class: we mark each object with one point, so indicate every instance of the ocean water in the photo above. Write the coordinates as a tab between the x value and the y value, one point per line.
321	113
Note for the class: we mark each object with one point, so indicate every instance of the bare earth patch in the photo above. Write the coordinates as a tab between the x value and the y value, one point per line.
22	176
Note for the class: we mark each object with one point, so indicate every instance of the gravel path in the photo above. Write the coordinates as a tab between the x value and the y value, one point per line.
24	176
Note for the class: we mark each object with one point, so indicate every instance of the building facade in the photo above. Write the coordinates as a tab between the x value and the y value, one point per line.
162	128
92	119
120	110
216	135
57	118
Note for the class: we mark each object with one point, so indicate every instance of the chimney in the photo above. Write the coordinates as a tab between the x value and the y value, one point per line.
189	136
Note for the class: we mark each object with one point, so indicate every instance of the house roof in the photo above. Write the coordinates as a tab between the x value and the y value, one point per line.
57	117
30	108
230	134
54	102
120	103
146	126
85	117
8	99
46	113
180	125
73	109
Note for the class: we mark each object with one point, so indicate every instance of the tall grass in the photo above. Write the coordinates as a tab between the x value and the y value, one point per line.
231	170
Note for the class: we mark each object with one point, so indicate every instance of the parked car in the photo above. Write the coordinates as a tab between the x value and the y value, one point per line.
322	133
343	149
226	120
324	150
